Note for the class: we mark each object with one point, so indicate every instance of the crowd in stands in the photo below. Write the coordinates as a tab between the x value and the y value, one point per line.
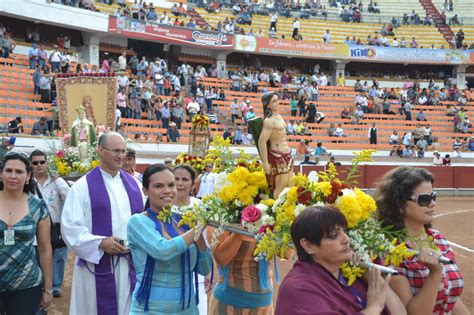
349	11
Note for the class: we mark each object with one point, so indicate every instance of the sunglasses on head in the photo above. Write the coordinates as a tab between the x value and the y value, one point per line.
424	200
38	162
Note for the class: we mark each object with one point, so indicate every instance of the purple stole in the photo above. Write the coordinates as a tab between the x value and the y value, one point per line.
102	225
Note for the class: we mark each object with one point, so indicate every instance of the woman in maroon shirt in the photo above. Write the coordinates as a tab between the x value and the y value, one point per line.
315	284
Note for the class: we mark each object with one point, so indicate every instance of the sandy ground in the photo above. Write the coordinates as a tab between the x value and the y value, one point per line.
455	219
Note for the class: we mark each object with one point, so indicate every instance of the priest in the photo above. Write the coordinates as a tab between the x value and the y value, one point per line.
94	226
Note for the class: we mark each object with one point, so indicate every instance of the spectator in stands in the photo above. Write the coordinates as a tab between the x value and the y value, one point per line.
36	80
420	116
408	152
327	37
427	133
303	148
172	134
340	131
407	109
341	81
273	22
179	115
193	108
413	43
15	125
394	138
459	38
435	145
40	127
165	115
331	130
357	114
447	160
345	114
122	61
422	144
321	150
235	110
418	133
227	134
45	88
437	160
54	59
181	10
246	137
358	86
33	56
4	46
250	114
122	102
291	128
302	106
372	134
296	27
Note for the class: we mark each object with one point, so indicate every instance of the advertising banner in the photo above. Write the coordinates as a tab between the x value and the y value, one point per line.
286	47
410	55
169	34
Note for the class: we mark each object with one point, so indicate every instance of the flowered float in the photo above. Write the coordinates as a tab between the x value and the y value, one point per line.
241	204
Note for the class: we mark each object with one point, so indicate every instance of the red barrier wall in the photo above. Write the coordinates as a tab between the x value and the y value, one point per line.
445	177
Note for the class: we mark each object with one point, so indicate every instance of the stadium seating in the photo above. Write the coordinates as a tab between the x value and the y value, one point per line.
314	29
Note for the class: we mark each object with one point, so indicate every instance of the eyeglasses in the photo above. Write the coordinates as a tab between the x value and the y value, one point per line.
35	163
116	151
424	200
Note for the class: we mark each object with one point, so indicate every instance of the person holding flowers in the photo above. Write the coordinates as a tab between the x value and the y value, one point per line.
406	201
164	253
185	177
316	285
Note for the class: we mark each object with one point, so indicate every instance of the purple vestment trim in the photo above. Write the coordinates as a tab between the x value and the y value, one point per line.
102	225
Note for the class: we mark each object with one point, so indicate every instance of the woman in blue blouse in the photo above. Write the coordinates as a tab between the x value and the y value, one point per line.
164	254
25	283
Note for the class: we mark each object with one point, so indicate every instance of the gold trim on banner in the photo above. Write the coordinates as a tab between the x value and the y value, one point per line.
91	93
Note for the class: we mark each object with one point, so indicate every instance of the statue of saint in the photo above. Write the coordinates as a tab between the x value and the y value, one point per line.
272	145
82	133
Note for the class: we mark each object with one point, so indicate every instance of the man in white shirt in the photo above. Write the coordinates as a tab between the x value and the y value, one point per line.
327	37
54	192
122	61
273	22
323	80
193	108
296	27
55	59
94	226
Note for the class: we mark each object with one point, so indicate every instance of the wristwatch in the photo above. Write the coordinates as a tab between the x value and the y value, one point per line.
50	291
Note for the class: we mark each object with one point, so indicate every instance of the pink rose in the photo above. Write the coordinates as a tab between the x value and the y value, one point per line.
59	154
251	214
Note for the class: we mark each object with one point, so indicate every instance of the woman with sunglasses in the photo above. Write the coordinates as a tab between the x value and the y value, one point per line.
406	201
165	255
25	281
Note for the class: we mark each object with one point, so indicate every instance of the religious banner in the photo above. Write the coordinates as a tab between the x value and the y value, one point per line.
286	47
164	33
95	95
411	55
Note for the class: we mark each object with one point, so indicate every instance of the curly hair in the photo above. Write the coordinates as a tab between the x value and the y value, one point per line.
392	192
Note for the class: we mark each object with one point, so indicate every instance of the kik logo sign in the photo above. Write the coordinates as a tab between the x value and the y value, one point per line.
366	52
